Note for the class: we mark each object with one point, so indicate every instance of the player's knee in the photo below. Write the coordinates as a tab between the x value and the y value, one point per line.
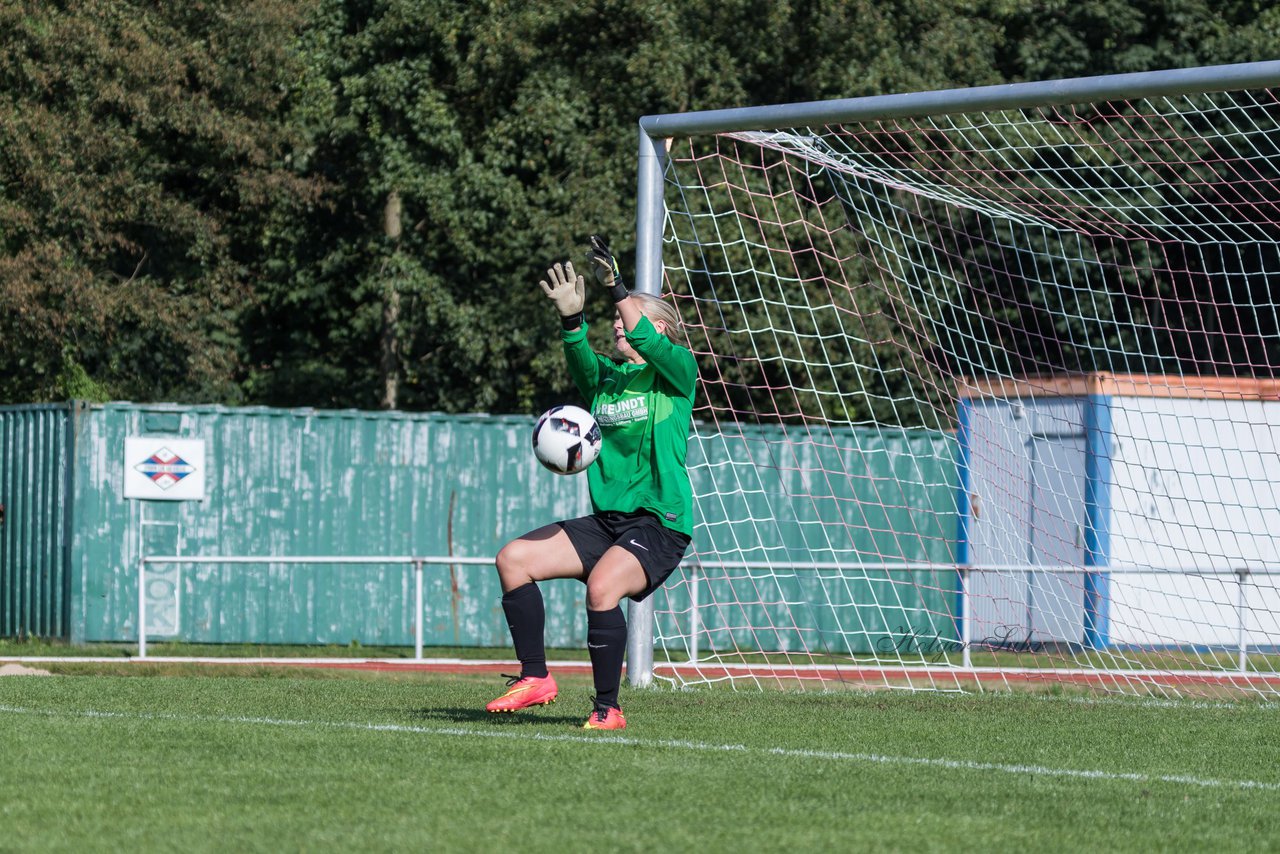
512	564
601	596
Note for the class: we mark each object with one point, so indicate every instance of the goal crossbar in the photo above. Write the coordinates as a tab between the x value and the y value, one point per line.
938	102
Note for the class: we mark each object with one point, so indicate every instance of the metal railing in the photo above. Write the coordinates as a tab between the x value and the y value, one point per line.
417	562
964	614
640	663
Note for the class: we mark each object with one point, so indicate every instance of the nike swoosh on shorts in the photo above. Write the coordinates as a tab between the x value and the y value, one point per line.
637	545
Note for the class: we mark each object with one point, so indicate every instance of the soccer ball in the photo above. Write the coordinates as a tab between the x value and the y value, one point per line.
566	439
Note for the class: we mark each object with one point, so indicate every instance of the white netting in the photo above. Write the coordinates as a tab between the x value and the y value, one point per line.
986	342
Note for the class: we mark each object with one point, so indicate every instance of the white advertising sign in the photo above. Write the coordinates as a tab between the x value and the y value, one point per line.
164	469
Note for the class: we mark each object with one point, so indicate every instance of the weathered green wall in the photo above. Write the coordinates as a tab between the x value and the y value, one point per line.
300	482
303	482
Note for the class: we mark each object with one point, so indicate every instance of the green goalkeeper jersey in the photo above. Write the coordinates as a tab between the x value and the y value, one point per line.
644	413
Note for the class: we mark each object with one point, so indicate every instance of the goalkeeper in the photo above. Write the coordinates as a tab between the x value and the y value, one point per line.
641	499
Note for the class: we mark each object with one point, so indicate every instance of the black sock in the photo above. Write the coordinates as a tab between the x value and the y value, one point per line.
607	644
525	618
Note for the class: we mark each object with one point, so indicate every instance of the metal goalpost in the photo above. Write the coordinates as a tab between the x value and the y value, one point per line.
656	133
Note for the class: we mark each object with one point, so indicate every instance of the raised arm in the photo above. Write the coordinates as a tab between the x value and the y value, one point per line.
566	289
675	363
607	273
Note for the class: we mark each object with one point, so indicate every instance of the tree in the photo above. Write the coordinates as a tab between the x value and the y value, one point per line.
143	154
507	133
1069	38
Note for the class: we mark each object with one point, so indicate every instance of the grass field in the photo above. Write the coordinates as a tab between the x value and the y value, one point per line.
195	759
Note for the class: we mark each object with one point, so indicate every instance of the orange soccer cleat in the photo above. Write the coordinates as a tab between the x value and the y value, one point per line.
606	717
525	692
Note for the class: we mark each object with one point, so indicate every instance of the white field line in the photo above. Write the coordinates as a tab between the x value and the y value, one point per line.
668	744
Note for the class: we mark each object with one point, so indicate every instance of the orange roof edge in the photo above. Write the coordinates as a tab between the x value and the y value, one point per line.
1121	385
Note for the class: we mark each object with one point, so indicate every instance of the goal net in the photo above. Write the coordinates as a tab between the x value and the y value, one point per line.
987	388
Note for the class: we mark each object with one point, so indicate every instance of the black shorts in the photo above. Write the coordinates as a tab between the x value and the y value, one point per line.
658	548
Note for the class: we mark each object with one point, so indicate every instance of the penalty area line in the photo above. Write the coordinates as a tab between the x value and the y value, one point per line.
665	744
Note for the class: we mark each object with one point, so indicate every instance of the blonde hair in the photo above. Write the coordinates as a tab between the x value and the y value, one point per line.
656	309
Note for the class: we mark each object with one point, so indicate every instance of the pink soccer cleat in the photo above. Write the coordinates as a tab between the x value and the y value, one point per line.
525	692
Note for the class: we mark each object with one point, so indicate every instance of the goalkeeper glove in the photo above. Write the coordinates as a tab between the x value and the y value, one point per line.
606	268
567	292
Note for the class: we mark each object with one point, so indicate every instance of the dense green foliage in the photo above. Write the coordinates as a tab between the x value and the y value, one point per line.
349	203
143	156
411	762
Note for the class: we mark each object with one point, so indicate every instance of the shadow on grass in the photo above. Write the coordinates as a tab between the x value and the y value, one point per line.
475	716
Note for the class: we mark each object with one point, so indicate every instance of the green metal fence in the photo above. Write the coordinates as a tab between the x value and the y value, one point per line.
36	448
305	482
842	497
